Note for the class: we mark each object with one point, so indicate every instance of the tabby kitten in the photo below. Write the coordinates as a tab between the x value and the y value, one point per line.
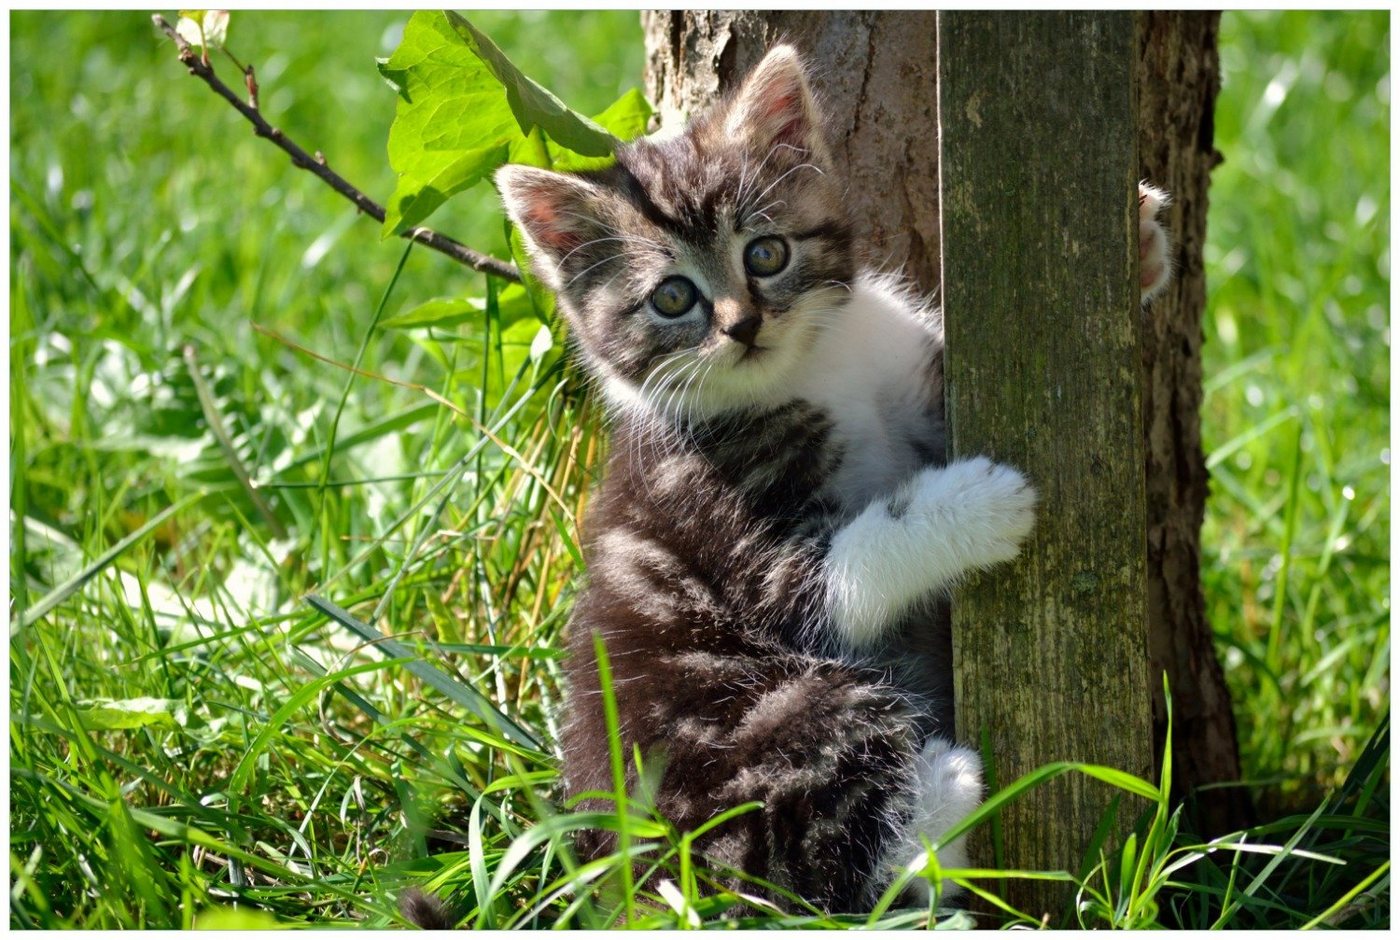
778	522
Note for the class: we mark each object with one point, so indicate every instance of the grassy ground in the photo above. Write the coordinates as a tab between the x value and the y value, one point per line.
1296	416
187	731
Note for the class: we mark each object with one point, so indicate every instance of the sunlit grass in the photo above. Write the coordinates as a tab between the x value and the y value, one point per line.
1296	416
189	729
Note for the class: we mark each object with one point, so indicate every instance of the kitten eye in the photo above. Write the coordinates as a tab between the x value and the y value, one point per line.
766	256
673	296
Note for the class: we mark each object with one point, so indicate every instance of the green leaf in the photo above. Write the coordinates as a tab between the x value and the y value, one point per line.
626	118
189	29
215	28
531	103
203	28
452	126
223	917
541	344
441	312
446	312
105	714
464	109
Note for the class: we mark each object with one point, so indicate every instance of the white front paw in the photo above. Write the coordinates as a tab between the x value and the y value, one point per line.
941	524
949	784
1154	244
988	508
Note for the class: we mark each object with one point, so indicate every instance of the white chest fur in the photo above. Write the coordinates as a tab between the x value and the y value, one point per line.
868	370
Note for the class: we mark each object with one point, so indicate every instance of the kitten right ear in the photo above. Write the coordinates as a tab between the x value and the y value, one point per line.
555	212
774	106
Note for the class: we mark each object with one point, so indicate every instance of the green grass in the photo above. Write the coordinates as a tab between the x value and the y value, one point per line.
188	732
1296	415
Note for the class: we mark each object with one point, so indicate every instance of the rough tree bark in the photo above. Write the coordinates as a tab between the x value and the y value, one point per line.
876	73
1043	331
1178	80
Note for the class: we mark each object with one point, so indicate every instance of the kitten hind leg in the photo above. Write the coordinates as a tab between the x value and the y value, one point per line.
947	786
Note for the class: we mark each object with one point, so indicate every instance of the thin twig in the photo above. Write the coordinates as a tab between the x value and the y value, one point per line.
317	165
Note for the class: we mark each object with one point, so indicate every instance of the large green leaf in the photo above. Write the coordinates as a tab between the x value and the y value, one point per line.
226	917
464	109
626	118
533	105
446	312
106	714
452	126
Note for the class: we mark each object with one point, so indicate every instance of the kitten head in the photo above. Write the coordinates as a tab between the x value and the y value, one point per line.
696	271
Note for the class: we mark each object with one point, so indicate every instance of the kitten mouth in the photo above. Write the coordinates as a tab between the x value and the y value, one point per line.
753	353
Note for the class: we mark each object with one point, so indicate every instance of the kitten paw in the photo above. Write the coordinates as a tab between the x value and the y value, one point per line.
941	524
947	788
1154	244
994	507
949	782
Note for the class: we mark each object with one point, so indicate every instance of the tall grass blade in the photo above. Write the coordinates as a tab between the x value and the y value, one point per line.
619	776
238	780
1326	917
464	695
230	450
350	379
1290	530
66	590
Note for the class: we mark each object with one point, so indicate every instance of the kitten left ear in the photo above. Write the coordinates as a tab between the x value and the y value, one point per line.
775	106
555	212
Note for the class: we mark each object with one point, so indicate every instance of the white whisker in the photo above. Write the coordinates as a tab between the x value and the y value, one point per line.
599	241
590	268
764	210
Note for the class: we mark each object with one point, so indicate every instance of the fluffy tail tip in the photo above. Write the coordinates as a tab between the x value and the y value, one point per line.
425	910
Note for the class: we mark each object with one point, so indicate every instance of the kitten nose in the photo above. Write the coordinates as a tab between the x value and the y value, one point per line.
745	330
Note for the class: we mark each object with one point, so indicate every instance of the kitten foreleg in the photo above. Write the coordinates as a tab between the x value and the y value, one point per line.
1154	244
942	523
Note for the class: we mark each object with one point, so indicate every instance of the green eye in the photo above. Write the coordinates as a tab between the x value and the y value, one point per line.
673	296
766	256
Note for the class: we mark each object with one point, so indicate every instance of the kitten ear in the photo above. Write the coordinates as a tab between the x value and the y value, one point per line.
555	212
775	106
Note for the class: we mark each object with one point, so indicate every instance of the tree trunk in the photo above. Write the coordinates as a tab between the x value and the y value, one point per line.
876	74
1042	320
1178	80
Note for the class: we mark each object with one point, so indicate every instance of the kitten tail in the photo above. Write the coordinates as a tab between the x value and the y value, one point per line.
427	911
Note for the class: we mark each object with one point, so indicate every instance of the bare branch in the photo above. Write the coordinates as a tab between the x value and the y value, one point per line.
454	249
